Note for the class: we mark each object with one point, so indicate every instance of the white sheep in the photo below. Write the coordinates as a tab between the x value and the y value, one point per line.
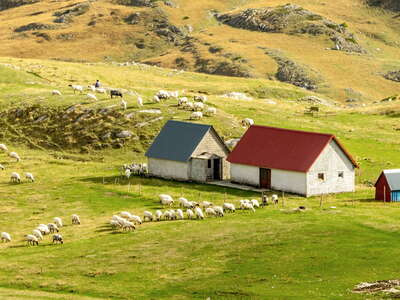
188	105
158	215
182	201
147	216
243	203
5	237
248	206
124	104
172	214
201	98
219	211
139	101
32	240
44	229
136	219
57	238
274	199
211	111
15	177
92	88
179	214
126	215
167	215
3	147
198	106
101	90
75	219
163	94
229	207
52	227
127	173
2	167
38	234
126	225
58	222
14	155
76	88
190	213
56	93
210	212
117	218
91	97
255	203
247	122
156	99
115	224
166	199
182	101
206	204
29	177
197	115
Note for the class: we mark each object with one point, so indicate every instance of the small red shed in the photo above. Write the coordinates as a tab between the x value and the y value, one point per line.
387	187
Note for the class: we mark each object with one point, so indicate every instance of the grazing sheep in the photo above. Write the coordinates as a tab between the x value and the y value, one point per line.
5	237
136	219
44	229
3	147
188	105
126	225
15	177
58	222
76	88
182	101
255	203
211	111
56	93
201	98
76	220
2	167
38	234
197	115
52	227
219	211
126	215
117	218
190	213
115	224
124	104
206	204
57	238
182	201
274	199
139	101
198	106
229	207
156	99
29	177
163	94
101	90
91	97
158	215
92	88
179	214
248	206
115	93
166	199
210	212
243	203
14	155
167	215
32	240
127	173
189	204
147	215
247	122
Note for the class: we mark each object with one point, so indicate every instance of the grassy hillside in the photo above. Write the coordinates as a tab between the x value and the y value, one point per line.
274	253
188	36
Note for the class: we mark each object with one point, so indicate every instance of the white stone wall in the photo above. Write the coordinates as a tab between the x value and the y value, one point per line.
289	181
245	174
331	161
168	169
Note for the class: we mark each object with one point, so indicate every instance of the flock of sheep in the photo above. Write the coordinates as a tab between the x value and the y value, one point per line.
15	177
127	221
42	230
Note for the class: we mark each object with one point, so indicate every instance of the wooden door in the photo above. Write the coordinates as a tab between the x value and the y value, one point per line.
265	178
217	169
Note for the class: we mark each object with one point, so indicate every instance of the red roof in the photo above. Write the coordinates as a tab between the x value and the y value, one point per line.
283	149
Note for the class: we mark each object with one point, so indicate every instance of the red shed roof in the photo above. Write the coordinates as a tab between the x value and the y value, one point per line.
283	149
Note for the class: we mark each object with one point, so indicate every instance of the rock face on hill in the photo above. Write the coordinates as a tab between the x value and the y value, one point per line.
293	19
6	4
393	75
387	4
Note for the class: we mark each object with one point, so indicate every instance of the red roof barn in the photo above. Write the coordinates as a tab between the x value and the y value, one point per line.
305	163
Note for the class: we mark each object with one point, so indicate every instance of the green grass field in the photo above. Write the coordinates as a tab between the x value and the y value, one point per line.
271	254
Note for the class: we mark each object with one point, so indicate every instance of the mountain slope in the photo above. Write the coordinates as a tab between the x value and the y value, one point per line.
187	35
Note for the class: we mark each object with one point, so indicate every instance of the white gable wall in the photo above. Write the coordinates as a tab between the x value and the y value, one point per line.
331	161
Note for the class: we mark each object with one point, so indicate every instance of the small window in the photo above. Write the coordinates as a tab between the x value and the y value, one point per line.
321	176
209	164
341	175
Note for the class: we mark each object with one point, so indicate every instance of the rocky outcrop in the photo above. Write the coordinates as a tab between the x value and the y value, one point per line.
34	26
393	5
293	19
393	75
139	3
6	4
67	15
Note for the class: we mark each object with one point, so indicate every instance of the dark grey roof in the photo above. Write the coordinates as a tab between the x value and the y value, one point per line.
393	178
177	141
